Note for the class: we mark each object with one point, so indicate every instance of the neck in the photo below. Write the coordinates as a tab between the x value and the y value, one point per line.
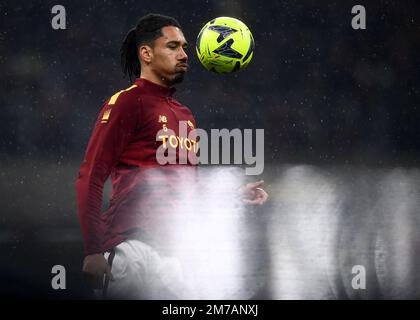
152	77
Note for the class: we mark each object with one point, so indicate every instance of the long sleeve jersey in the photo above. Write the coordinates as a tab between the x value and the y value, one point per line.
123	145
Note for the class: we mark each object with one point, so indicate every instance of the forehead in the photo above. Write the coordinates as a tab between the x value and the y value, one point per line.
171	33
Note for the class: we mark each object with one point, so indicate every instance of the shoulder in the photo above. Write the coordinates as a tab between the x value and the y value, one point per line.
184	107
185	111
125	103
126	97
179	104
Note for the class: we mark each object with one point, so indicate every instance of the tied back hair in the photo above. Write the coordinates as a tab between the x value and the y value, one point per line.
130	63
147	30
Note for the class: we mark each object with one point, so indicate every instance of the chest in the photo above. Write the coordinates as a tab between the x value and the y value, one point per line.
160	113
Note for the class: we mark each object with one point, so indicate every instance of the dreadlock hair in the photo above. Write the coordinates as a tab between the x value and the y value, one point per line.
147	30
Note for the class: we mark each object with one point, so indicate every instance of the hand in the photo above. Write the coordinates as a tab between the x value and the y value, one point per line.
255	195
95	267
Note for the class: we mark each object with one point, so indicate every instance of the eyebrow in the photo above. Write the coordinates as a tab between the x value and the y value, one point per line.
177	42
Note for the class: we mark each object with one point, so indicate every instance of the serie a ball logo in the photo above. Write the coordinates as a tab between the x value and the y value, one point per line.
225	45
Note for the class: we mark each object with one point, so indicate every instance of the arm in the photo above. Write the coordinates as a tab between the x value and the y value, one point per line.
108	140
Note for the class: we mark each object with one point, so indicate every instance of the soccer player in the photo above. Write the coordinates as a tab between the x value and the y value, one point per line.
123	145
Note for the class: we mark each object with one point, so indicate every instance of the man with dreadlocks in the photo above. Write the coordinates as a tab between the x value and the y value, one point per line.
123	145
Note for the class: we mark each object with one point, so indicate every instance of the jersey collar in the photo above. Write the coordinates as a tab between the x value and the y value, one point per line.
154	89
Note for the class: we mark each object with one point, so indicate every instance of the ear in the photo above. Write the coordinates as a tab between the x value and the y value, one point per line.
146	53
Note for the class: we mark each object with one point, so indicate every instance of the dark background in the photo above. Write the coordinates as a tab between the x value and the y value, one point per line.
326	95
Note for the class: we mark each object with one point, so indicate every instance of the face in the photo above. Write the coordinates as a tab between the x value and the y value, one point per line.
168	59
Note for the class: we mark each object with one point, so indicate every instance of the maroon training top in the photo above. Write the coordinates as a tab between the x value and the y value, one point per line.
124	144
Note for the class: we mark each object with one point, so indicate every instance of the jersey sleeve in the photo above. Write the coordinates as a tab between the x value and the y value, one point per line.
113	130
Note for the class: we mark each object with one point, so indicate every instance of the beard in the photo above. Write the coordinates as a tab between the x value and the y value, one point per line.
179	73
178	78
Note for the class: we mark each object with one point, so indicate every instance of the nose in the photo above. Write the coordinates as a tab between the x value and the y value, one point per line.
183	55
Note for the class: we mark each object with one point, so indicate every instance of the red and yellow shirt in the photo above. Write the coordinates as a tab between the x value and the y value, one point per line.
123	145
